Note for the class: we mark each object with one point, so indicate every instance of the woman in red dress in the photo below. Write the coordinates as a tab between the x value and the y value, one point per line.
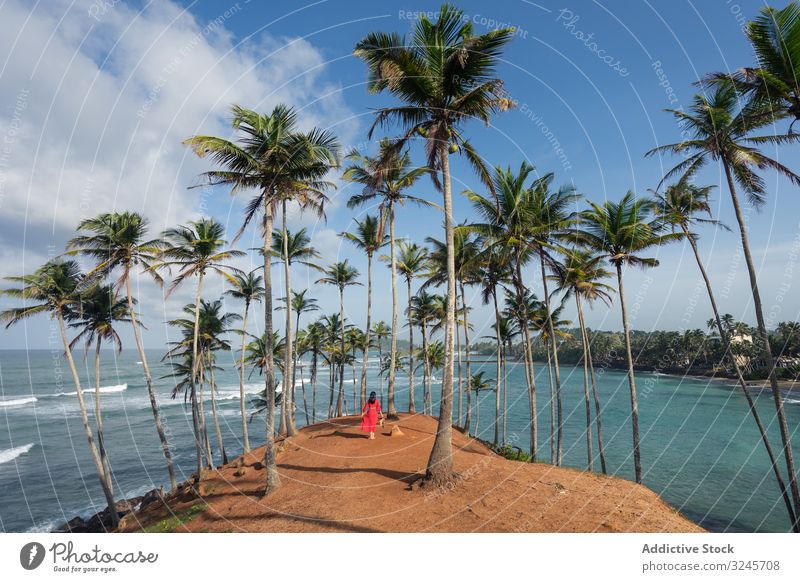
369	415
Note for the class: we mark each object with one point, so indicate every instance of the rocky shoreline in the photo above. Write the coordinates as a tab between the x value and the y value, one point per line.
101	522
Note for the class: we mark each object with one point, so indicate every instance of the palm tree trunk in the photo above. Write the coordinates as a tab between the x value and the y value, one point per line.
786	438
101	442
391	410
162	437
314	387
412	407
366	334
527	352
637	460
597	409
556	371
217	429
498	387
505	394
426	369
585	385
460	376
725	339
552	407
468	413
245	436
98	464
202	415
340	399
303	388
380	357
331	372
270	457
288	397
440	463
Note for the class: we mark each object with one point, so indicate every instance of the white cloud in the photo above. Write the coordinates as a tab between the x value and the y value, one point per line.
95	104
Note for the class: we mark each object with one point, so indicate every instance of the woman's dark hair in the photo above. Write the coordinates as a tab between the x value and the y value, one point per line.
372	398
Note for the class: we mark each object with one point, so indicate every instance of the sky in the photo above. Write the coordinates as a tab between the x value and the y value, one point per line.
97	96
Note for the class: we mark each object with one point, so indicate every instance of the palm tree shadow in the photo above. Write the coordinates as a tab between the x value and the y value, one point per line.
388	473
342	434
339	525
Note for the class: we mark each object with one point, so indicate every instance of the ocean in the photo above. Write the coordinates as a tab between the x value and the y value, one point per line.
700	448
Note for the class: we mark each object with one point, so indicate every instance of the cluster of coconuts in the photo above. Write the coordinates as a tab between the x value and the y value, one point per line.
424	133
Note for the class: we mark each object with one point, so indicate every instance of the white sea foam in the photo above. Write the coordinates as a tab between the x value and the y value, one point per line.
18	401
11	454
791	401
102	390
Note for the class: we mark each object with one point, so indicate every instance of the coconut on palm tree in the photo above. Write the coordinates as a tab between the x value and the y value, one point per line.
369	238
118	240
721	131
277	160
620	232
682	207
341	275
247	288
444	76
56	288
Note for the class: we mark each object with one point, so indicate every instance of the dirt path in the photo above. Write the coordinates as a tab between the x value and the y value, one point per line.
336	480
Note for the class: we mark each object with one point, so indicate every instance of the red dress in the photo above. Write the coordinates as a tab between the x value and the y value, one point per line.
370	421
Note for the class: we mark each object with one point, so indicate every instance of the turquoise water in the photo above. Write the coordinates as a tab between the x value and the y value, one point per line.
700	448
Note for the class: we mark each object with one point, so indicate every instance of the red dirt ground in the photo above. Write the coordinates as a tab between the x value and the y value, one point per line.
336	480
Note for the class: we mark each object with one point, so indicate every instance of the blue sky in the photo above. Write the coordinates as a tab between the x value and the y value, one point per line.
96	98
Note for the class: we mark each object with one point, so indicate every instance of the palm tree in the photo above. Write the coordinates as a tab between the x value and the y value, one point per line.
580	274
277	160
368	238
213	326
775	38
444	77
551	216
381	331
99	310
195	249
494	272
538	316
258	358
721	132
681	207
55	288
384	179
620	231
412	259
467	266
119	240
341	275
477	385
301	304
314	341
506	224
508	329
422	313
293	248
247	288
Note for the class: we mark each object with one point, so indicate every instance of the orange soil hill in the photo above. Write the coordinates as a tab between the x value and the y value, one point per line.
336	480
